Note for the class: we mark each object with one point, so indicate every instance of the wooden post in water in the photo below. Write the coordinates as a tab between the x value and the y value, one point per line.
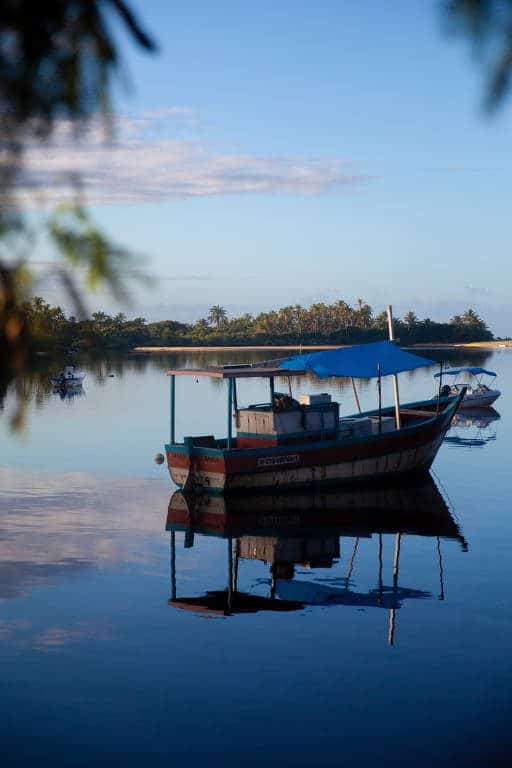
172	417
355	393
389	311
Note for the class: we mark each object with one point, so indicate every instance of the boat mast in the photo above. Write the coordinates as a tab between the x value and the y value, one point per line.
389	312
172	410
230	413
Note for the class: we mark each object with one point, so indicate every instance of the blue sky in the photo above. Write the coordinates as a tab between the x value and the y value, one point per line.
275	153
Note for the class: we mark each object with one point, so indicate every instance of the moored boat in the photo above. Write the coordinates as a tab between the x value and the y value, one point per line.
477	395
286	444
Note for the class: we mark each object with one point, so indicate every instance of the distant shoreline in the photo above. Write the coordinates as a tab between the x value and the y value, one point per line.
318	347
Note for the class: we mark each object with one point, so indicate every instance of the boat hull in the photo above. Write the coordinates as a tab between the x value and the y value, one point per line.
410	450
480	399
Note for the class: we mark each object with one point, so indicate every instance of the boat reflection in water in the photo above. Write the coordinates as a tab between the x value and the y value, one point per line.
473	428
289	529
68	393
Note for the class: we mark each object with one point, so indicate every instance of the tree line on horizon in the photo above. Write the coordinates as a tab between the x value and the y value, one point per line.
337	323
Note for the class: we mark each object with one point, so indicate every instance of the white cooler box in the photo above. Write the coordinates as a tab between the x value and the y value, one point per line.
353	428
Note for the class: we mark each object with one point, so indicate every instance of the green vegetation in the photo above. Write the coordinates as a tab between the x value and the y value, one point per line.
337	323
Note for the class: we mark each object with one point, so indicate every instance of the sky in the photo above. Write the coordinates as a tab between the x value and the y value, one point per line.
293	152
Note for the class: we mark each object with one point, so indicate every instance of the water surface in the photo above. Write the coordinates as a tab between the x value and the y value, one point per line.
370	628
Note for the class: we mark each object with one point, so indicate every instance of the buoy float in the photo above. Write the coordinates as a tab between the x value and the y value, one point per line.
159	458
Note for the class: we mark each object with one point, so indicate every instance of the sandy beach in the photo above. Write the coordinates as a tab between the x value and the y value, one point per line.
308	347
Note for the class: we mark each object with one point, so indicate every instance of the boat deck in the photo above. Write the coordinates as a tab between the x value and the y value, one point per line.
411	415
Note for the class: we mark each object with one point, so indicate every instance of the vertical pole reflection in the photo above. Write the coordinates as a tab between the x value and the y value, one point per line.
230	573
379	597
173	565
441	572
351	564
237	561
392	611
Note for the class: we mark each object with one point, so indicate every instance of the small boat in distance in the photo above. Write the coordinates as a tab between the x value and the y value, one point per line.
284	443
479	394
70	376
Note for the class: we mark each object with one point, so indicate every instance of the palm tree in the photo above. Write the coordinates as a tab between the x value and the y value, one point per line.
217	316
410	318
363	314
470	317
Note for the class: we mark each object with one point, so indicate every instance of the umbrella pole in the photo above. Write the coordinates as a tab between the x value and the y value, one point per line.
389	311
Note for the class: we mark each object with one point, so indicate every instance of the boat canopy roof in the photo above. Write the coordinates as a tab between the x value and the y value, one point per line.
476	371
359	361
236	372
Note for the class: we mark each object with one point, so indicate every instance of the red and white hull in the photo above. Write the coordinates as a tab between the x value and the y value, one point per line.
215	469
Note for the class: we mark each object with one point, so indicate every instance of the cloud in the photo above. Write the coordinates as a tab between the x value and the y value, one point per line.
144	166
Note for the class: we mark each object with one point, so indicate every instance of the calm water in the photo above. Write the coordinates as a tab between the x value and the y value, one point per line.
368	628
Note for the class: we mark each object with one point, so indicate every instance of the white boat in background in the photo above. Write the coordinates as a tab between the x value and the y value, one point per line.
479	394
70	376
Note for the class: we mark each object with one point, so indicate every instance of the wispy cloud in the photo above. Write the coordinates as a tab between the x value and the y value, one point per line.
142	165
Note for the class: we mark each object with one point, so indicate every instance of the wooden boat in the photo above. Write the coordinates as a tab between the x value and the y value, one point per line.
286	444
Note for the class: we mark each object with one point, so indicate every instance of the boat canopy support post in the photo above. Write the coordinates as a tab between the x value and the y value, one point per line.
389	312
440	385
379	389
172	403
230	413
355	394
235	397
272	390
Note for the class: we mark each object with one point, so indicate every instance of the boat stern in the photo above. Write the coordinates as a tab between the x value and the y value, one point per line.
197	464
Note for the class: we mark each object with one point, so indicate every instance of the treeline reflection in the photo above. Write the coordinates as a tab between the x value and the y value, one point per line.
35	387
